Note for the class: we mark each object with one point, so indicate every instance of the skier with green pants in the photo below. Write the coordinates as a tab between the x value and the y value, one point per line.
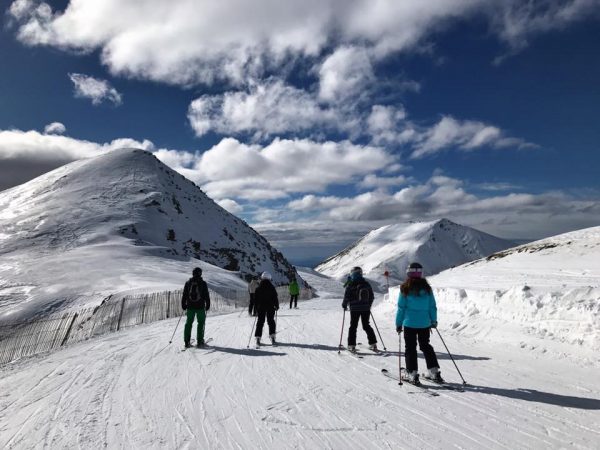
195	301
294	292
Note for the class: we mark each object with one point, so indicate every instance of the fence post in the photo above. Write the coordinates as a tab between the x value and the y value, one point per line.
64	341
168	304
121	313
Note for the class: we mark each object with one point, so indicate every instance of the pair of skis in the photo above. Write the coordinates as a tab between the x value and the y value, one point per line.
392	376
358	355
194	346
426	377
261	344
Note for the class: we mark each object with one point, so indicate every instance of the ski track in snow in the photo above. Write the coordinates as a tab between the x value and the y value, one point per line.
132	390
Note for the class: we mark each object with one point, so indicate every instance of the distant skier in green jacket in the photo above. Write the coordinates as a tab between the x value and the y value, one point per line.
195	301
294	292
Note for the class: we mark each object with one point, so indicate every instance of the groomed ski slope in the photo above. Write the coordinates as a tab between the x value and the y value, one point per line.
132	390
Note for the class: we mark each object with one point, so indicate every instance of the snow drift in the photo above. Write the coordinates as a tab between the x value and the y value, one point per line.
550	289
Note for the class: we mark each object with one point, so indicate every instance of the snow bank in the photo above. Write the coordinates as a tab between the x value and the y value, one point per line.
571	316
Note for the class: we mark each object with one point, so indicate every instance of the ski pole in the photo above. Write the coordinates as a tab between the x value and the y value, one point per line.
174	331
377	328
253	325
400	359
342	332
451	357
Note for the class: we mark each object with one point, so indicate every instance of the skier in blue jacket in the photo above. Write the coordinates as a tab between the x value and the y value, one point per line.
417	314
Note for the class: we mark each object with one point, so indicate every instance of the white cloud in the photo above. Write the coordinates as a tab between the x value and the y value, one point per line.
464	135
267	108
34	146
19	9
443	196
516	22
233	169
387	124
499	186
345	74
95	89
192	41
231	205
55	128
374	181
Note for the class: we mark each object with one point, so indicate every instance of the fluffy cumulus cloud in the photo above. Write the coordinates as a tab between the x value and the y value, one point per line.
254	172
267	108
96	90
345	73
192	41
55	128
465	135
35	146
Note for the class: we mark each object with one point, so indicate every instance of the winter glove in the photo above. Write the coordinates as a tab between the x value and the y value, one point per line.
434	324
399	329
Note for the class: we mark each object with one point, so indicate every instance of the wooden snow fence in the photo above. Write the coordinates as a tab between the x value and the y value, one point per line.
27	338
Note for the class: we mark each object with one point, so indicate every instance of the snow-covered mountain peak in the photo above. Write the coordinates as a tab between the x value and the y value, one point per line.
437	245
118	221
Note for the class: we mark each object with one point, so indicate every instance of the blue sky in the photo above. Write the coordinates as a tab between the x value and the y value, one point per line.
318	121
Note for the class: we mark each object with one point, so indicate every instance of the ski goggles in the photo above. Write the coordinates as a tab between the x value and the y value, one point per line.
414	272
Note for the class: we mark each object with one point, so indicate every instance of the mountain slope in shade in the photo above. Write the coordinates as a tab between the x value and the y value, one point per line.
437	245
117	222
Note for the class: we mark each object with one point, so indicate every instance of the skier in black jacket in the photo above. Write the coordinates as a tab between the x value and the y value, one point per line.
195	301
359	297
266	303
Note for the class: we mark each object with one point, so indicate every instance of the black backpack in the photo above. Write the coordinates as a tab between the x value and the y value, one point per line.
363	294
196	293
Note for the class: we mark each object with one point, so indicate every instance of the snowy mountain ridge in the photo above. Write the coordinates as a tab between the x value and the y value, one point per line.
121	221
437	245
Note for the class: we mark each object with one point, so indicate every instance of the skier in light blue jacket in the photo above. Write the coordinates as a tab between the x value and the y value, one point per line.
417	314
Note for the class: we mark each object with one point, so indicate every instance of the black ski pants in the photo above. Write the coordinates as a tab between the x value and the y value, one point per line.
293	299
251	306
364	317
411	336
260	321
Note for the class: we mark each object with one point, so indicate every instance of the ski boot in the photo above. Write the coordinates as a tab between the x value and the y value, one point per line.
187	344
272	336
200	344
352	348
413	378
258	342
373	347
435	375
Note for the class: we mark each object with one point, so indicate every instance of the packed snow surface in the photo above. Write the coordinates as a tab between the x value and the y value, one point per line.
118	223
134	390
437	245
549	287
